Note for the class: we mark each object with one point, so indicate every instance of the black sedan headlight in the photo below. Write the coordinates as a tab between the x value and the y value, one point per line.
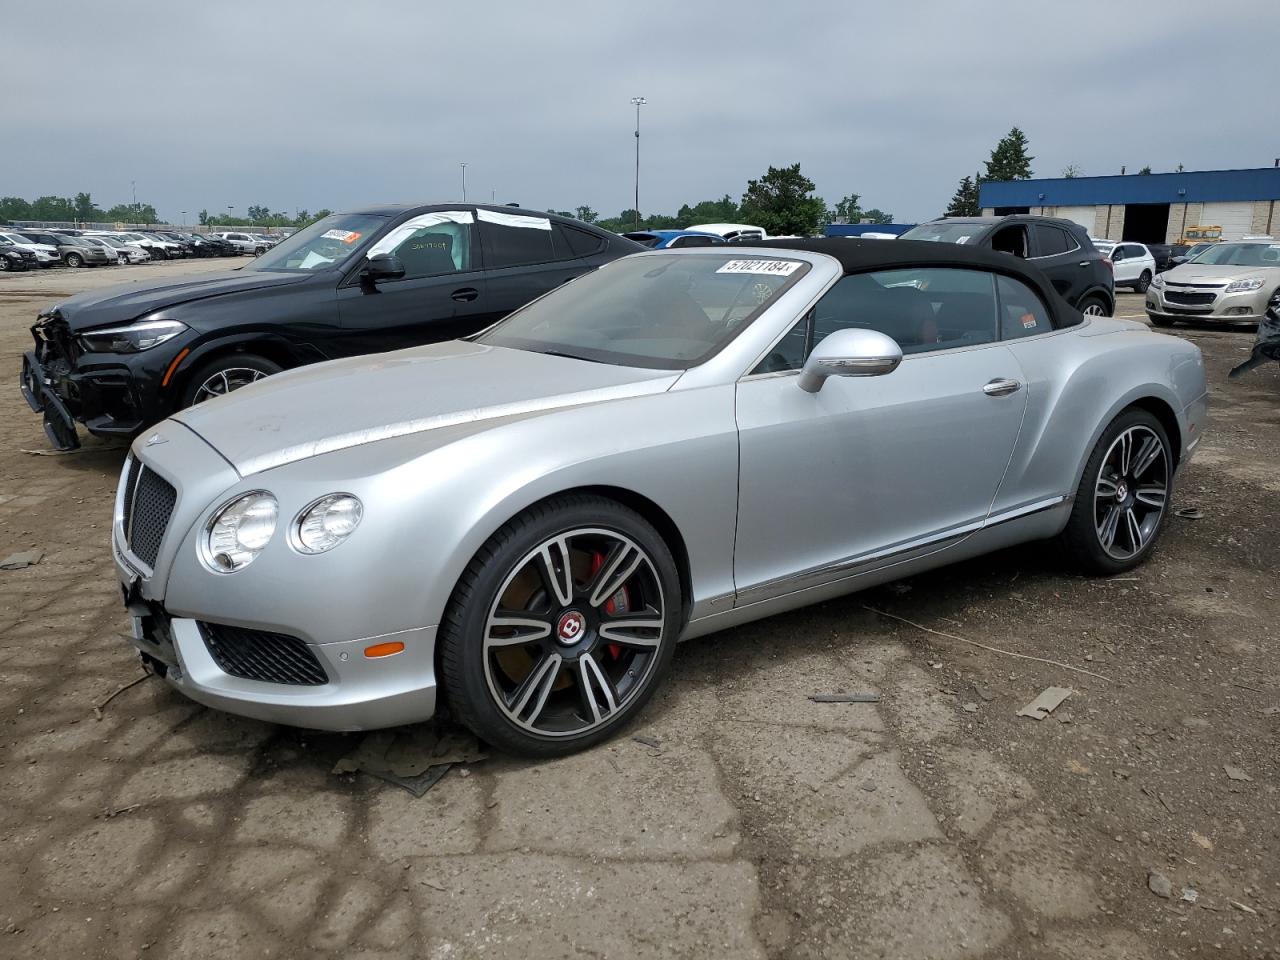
132	338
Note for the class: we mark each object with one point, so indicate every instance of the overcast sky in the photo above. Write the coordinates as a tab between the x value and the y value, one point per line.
319	104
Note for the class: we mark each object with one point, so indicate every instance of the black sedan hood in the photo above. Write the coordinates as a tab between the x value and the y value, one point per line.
126	302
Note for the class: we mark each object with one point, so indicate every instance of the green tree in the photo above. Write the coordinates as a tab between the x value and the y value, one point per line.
1144	171
846	210
85	209
964	202
586	214
14	208
258	213
875	215
723	210
52	208
1010	160
204	218
1070	171
782	202
132	213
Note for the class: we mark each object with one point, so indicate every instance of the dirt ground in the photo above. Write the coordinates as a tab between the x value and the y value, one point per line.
935	823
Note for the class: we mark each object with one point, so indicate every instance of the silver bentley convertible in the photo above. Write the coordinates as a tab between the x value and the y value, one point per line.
523	524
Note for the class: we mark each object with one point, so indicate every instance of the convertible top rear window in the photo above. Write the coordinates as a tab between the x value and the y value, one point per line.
665	312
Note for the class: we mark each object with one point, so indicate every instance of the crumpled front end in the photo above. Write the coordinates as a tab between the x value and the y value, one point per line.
55	383
1267	345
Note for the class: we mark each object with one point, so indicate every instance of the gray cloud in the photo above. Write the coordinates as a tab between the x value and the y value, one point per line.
324	104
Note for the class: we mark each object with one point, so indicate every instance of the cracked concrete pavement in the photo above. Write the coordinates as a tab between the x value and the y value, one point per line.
933	824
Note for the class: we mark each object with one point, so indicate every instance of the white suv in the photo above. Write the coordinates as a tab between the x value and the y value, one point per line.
46	254
245	242
1133	263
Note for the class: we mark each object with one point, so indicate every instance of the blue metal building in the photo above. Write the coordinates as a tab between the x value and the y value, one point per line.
1149	208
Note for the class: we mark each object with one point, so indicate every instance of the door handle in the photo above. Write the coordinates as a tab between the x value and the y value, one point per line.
465	294
1083	263
1001	387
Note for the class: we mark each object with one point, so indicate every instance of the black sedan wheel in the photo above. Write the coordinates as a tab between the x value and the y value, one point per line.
1123	496
561	627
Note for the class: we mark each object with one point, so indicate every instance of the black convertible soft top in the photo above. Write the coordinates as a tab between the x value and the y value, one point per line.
859	256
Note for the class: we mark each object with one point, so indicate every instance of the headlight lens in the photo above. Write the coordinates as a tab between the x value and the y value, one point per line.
1157	281
133	338
327	522
1245	285
239	531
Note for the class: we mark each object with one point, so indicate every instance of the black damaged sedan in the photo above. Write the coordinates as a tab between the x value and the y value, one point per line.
121	359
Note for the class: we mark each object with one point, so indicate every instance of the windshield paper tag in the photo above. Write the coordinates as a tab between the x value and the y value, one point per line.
346	236
775	268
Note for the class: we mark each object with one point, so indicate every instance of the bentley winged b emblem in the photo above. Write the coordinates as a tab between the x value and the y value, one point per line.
154	439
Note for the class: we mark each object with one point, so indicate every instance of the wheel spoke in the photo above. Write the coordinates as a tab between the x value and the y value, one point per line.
617	570
1125	451
1134	529
1147	455
510	629
556	573
594	687
536	688
1151	494
1107	529
226	383
641	629
1106	488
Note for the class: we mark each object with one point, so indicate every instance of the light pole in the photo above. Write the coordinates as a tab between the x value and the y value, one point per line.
133	185
464	181
639	102
230	207
184	219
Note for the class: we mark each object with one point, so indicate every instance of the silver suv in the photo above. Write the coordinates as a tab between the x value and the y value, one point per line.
1230	281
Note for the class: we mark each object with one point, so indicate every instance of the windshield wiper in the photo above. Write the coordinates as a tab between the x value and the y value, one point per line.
568	356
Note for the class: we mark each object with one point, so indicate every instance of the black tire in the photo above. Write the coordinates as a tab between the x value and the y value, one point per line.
1097	305
4	264
1081	538
1159	321
463	659
74	260
259	251
192	390
1144	281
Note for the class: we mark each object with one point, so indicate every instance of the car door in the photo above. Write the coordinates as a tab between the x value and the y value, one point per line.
1056	252
441	296
868	471
1125	262
528	256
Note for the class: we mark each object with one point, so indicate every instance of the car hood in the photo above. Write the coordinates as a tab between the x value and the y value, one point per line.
1212	272
331	406
120	304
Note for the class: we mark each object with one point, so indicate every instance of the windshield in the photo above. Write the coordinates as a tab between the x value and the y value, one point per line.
111	241
326	243
945	232
666	312
1240	255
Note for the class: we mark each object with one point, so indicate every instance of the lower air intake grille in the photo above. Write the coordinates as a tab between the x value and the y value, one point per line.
258	655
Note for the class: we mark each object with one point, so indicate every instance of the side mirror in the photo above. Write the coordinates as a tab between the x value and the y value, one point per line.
850	353
383	266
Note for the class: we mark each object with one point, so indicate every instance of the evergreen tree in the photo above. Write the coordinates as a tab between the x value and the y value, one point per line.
1010	160
782	202
964	203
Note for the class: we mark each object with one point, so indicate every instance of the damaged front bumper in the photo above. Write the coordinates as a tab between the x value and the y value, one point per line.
103	397
1267	345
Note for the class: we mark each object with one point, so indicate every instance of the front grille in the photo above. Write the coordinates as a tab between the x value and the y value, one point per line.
148	504
259	655
1189	298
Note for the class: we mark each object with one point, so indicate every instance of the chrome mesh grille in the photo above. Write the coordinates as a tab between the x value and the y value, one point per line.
259	655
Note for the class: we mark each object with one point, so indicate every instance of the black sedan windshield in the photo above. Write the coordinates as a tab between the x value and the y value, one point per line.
325	244
666	312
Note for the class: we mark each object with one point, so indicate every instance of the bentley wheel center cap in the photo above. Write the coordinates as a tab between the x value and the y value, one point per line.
1122	490
571	627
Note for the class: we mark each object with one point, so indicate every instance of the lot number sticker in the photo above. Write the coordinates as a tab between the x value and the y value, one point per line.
772	268
346	236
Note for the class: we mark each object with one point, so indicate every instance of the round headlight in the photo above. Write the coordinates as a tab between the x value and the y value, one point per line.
327	522
239	531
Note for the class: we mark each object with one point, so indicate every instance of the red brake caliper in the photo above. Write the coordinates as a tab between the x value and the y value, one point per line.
620	602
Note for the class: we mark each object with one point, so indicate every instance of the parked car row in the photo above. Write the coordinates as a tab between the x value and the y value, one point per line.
93	248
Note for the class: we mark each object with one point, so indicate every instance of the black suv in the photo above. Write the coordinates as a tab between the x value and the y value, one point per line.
383	278
1061	248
